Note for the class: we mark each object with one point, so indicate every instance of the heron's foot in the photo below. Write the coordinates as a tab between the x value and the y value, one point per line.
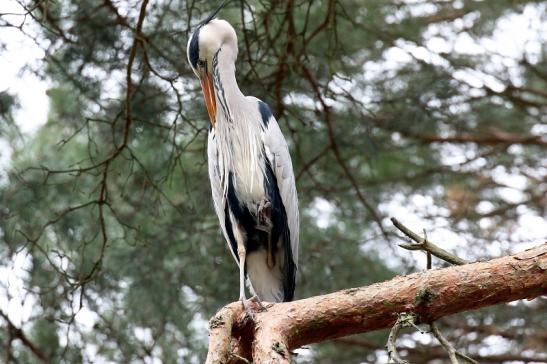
261	307
264	206
263	212
248	309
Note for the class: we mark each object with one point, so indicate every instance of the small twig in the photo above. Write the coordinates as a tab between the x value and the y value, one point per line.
445	343
404	320
427	254
426	245
466	358
392	353
16	332
240	358
453	354
428	266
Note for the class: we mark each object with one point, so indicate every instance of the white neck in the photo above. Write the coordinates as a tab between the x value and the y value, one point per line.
228	90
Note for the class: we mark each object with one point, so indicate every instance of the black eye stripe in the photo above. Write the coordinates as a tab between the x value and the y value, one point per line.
193	50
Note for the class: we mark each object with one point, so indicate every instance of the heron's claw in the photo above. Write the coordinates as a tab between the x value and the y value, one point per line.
261	307
248	310
263	212
263	205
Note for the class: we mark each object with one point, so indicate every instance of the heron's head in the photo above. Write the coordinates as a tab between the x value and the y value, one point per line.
207	40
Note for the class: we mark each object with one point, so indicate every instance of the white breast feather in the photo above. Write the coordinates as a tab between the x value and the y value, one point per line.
239	144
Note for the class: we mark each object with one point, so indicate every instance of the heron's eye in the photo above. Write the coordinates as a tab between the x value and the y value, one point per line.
202	63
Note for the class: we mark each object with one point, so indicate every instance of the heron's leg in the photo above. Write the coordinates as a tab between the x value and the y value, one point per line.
239	235
242	254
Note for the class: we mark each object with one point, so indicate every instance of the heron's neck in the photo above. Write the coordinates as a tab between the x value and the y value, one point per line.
237	132
227	90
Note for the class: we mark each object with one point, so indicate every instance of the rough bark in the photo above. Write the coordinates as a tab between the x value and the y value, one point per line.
220	333
429	295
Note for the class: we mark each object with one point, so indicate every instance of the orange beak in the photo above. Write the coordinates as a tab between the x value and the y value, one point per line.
209	95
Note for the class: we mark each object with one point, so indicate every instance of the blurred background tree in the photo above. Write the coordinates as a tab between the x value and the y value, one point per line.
430	111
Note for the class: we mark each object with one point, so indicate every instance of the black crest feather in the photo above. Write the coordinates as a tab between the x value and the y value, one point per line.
214	13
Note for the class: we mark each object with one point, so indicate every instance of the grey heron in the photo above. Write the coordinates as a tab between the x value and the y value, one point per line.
250	169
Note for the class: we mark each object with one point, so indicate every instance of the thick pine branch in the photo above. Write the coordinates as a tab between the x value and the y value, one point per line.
429	295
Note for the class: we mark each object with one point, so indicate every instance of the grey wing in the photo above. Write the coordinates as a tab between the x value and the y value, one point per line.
217	186
277	152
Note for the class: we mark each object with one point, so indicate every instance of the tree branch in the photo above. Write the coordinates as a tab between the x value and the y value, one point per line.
220	332
453	354
492	139
426	245
429	295
18	333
